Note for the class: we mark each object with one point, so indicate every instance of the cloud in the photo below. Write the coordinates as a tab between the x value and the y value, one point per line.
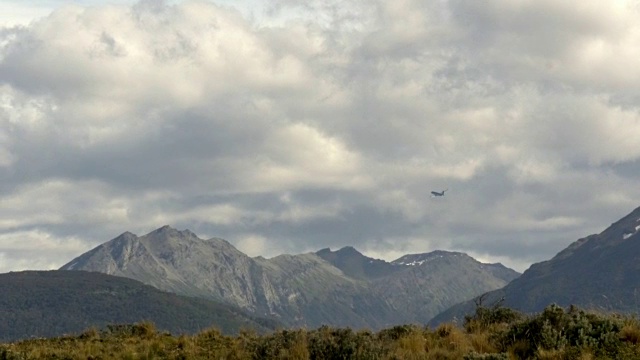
36	250
320	124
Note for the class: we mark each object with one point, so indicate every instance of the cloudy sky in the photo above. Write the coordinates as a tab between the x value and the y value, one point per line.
293	125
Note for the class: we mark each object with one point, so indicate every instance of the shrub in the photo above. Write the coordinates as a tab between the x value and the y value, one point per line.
556	330
327	343
630	333
484	317
555	333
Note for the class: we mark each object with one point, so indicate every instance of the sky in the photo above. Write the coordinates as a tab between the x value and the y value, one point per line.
288	126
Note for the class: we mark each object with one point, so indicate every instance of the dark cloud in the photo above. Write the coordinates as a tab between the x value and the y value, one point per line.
320	124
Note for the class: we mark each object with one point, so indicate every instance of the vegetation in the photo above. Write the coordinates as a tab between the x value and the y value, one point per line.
53	303
492	333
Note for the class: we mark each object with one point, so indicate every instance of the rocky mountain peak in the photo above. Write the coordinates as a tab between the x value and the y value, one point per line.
346	251
356	265
167	230
342	287
350	250
419	259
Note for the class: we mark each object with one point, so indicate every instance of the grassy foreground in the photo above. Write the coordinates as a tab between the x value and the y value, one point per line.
492	333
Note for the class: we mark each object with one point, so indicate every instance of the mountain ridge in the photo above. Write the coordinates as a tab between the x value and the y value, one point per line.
598	272
54	303
341	288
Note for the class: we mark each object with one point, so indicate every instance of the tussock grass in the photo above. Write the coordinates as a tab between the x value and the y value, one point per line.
553	334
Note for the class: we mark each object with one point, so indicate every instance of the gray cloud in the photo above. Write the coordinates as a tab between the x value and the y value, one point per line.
319	124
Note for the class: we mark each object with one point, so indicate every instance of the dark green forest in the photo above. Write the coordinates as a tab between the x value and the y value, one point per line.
53	303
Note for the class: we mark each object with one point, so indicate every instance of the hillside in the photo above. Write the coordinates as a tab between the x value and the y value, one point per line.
53	303
596	272
436	280
341	288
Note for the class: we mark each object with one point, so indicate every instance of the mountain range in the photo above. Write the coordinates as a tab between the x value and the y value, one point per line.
599	272
338	288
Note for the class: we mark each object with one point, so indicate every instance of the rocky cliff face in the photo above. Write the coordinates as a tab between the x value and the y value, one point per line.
598	272
341	288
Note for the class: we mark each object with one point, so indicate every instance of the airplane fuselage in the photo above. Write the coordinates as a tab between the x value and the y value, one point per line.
435	193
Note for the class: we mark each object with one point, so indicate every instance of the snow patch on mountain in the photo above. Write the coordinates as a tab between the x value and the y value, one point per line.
627	235
420	259
414	263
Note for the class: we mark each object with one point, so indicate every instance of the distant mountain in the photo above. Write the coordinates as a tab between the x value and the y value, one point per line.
339	288
53	303
354	264
498	270
596	272
437	279
301	290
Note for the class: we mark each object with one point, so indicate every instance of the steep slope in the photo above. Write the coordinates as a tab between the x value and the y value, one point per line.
294	289
432	281
596	272
176	261
341	288
318	293
53	303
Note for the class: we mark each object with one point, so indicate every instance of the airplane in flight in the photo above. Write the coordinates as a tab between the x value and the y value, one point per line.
435	193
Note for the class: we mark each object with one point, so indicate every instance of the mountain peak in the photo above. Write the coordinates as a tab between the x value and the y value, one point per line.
341	288
356	265
349	250
167	230
346	250
419	259
124	237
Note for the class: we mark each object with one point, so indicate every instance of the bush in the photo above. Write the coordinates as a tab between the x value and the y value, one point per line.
555	333
327	343
484	317
555	329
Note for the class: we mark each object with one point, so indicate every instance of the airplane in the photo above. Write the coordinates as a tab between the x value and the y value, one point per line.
435	193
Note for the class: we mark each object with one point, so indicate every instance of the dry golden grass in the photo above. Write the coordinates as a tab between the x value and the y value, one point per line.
411	346
630	333
482	343
550	354
298	349
584	354
410	342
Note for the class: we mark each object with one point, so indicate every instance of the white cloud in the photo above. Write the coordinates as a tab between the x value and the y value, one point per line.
37	250
55	202
254	245
16	13
322	123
